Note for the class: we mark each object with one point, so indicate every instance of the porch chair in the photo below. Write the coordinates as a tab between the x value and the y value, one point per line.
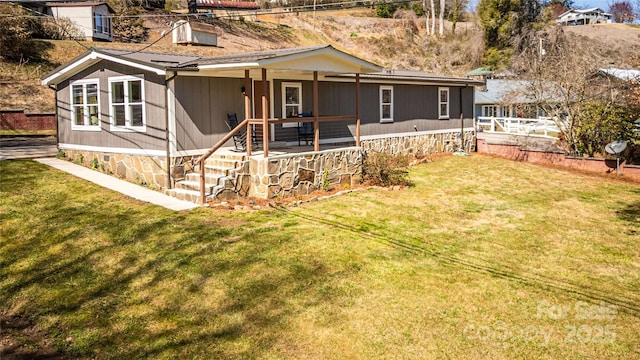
240	138
305	130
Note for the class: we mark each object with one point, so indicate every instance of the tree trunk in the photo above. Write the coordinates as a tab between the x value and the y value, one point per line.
433	18
425	8
441	18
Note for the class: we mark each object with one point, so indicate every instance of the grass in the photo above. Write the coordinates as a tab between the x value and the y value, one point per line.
26	132
482	258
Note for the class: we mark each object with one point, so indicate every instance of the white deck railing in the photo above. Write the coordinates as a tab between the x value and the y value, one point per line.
520	126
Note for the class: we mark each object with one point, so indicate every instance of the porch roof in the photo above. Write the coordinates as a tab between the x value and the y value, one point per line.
412	76
324	59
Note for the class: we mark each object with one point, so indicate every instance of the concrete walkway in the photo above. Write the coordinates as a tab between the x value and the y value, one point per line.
135	191
27	152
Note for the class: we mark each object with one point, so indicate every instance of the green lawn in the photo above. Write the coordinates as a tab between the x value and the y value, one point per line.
482	258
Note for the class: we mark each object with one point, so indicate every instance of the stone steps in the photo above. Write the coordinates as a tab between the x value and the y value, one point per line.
220	170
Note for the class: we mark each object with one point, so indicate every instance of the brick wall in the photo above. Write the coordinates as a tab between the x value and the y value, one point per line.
18	120
601	166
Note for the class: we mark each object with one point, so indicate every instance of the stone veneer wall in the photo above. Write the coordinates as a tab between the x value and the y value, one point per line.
150	170
421	144
299	174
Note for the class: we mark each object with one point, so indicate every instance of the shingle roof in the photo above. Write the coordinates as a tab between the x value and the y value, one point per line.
415	76
500	91
159	60
253	56
218	4
623	74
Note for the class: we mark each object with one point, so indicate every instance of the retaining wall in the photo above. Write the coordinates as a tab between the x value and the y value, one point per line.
595	165
18	120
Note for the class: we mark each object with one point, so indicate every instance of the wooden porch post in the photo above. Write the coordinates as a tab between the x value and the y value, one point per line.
316	124
357	109
247	109
265	117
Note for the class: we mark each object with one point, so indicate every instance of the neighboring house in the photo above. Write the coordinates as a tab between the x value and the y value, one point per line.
505	98
223	8
584	17
163	110
91	18
629	75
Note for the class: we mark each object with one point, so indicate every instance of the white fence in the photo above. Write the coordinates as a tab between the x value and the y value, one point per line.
521	126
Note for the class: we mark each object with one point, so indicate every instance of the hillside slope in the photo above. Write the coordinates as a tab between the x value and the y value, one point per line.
392	43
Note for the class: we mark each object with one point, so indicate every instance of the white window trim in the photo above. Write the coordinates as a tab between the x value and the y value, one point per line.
84	82
383	119
495	108
285	85
446	116
127	128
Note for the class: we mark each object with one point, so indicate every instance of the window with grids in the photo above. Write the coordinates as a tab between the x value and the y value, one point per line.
85	105
102	24
126	98
443	103
292	103
490	110
386	103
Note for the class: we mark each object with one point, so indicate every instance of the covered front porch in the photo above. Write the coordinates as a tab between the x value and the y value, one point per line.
260	71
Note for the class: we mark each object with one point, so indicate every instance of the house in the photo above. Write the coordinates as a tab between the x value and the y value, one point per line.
91	18
230	9
150	116
584	17
505	98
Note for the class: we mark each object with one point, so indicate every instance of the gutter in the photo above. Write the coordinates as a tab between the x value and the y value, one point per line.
55	94
167	131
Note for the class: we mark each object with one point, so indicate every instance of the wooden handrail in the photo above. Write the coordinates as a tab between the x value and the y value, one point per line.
303	119
250	121
213	149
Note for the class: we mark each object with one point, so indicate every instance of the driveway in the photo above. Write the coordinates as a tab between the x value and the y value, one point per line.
27	147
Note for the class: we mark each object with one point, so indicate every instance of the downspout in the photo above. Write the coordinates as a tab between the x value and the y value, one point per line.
55	92
167	131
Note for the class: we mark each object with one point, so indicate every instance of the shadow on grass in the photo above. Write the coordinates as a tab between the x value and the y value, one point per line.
375	232
118	279
631	214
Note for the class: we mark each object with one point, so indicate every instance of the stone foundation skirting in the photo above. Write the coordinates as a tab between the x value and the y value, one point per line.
146	170
420	144
300	174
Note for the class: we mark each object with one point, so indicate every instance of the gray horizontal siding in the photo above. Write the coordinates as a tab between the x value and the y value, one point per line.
202	105
415	106
154	91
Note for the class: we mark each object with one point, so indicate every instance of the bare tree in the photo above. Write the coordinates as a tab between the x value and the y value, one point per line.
441	18
433	18
565	84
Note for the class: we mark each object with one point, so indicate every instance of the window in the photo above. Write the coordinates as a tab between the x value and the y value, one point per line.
126	102
386	103
443	103
291	102
490	111
101	24
85	105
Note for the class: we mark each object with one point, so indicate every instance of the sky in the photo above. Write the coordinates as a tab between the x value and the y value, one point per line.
586	4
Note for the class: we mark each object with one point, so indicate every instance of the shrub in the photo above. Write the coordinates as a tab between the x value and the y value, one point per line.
384	169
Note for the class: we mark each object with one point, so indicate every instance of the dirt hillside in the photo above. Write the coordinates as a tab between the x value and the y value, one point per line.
392	43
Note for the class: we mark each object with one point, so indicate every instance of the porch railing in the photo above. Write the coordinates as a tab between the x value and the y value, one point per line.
246	123
213	149
520	126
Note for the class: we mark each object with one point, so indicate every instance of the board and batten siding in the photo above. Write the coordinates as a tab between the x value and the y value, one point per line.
414	106
202	105
154	106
